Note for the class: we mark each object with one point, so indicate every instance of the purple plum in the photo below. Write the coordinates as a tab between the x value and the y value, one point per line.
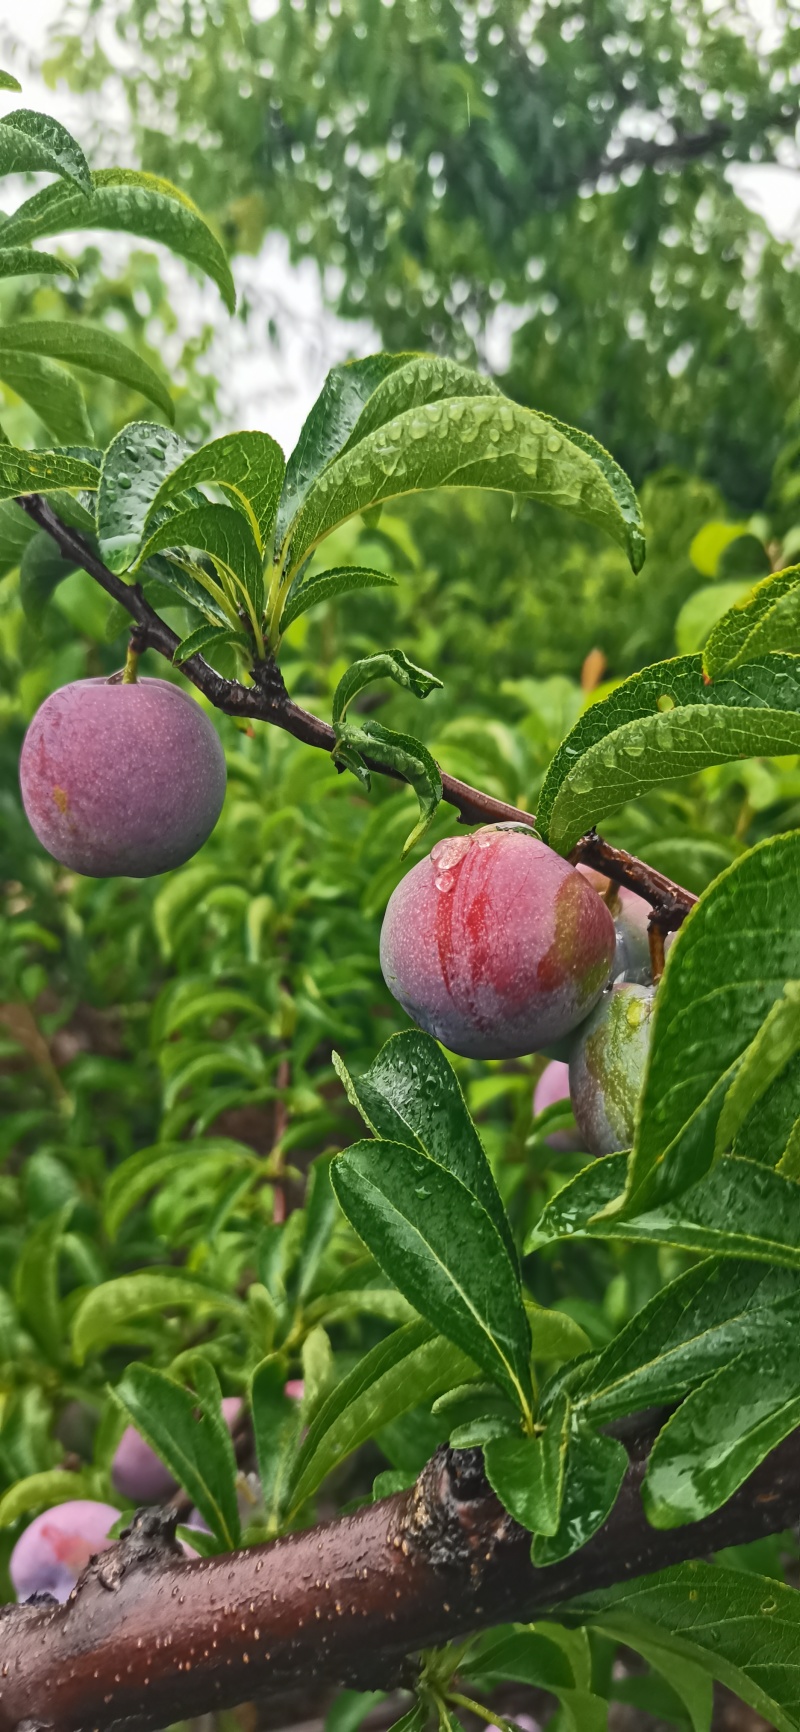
553	1086
122	779
496	945
606	1069
140	1474
53	1551
630	914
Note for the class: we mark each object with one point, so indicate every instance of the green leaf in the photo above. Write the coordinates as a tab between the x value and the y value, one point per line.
206	637
41	570
106	1310
411	1094
709	544
129	1182
249	466
554	1335
320	1215
769	1132
88	346
31	142
400	753
138	204
768	618
43	1491
51	393
16	530
543	1658
736	950
594	1469
327	584
691	1685
277	1422
25	261
132	472
197	1451
42	471
328	425
390	664
350	1707
739	1209
661	724
527	1473
687	1332
702	610
36	1283
716	1440
740	1628
418	379
476	1412
434	1239
406	1369
774	1046
222	532
9	82
483	441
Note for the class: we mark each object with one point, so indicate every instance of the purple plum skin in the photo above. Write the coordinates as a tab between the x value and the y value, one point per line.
53	1551
553	1086
139	1474
495	945
630	914
122	780
606	1070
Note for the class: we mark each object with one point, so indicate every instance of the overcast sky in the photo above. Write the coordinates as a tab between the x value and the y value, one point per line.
273	389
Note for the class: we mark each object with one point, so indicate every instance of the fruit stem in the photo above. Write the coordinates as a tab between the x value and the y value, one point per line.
655	935
130	670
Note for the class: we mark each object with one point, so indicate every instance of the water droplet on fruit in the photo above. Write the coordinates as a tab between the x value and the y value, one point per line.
445	882
448	852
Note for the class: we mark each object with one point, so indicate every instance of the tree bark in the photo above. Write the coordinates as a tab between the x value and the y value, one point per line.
148	1637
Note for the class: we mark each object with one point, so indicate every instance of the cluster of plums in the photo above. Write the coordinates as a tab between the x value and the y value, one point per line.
499	948
53	1551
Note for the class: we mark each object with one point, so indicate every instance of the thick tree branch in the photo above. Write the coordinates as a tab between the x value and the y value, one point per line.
268	701
149	1637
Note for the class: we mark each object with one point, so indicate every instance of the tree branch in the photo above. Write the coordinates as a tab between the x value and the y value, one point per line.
148	1637
268	701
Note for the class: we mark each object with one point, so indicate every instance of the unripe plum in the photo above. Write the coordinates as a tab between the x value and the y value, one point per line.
122	779
606	1070
140	1474
553	1086
496	945
49	1557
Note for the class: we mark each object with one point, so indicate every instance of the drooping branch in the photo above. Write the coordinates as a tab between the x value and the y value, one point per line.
149	1637
267	700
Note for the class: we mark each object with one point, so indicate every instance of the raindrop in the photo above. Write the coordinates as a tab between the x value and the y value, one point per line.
445	882
507	419
124	480
554	443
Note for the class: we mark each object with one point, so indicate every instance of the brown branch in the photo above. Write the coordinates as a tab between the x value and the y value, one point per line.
268	701
149	1637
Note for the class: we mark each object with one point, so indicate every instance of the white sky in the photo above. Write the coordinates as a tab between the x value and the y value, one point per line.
270	388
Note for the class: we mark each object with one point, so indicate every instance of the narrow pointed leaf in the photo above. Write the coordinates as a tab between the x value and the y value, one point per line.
197	1451
249	466
411	1094
766	619
661	724
224	534
326	585
329	424
390	664
50	391
138	204
107	1310
25	261
401	753
207	637
43	1490
740	1628
433	1238
31	142
464	442
42	471
277	1422
88	346
134	467
419	379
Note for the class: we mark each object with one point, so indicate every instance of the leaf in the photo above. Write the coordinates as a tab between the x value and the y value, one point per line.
26	261
206	637
350	1707
132	472
43	1491
222	532
36	1283
541	1657
327	584
661	724
197	1451
687	1331
766	619
708	545
249	466
31	142
107	1309
594	1469
138	204
417	380
737	949
701	611
716	1440
277	1422
51	393
88	346
476	1412
42	569
739	1209
692	1686
483	441
328	424
129	1182
9	82
406	1369
768	1134
320	1214
42	471
411	1094
434	1239
740	1628
390	664
16	530
527	1473
774	1046
398	753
